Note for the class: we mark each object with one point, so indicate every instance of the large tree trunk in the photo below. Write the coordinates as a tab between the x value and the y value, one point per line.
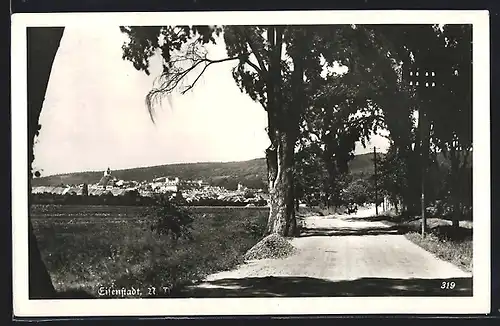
272	170
331	169
424	159
455	163
283	124
279	158
298	194
411	195
40	283
273	106
280	164
279	155
342	159
43	43
297	203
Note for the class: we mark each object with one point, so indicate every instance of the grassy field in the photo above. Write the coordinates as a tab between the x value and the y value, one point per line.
88	248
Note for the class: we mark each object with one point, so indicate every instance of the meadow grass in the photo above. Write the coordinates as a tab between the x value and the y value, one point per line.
86	248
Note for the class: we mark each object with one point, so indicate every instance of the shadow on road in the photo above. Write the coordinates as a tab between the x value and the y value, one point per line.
457	234
67	294
312	287
381	218
406	224
344	231
286	286
75	294
414	225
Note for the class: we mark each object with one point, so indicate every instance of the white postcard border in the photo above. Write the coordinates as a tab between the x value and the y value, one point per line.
479	303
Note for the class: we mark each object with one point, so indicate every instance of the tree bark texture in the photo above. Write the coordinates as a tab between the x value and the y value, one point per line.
424	159
282	125
331	168
411	195
272	170
43	43
280	165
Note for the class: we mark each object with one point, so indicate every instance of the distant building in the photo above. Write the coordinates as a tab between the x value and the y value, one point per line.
107	179
193	184
57	190
167	179
166	184
241	187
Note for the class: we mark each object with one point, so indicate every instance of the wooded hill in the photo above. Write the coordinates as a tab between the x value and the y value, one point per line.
250	173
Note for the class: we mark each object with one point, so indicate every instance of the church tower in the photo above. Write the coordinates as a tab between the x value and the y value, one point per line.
106	178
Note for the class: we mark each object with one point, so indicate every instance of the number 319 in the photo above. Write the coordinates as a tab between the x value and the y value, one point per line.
448	285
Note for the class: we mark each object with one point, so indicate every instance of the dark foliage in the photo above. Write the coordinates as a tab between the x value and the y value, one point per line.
115	246
171	220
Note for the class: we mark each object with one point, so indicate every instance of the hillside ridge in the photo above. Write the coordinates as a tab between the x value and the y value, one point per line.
251	173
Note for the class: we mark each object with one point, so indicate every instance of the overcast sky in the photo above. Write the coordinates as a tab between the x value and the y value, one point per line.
94	114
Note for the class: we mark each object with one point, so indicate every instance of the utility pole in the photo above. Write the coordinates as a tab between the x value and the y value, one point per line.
423	169
375	172
425	82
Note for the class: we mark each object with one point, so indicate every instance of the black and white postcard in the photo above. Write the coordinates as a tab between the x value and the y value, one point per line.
236	163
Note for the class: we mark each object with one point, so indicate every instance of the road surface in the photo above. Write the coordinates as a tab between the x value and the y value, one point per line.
342	256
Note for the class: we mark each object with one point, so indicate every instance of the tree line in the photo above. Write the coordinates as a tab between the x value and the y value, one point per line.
394	77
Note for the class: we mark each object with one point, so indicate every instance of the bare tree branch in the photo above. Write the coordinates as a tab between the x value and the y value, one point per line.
174	76
254	66
262	65
208	63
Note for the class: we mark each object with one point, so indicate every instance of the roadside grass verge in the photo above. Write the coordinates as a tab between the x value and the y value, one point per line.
305	212
457	252
452	245
308	211
442	240
86	254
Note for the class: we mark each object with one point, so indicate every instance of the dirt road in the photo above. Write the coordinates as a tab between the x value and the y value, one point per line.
342	256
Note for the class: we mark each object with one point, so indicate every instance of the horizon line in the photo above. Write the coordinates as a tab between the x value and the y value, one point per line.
148	166
158	165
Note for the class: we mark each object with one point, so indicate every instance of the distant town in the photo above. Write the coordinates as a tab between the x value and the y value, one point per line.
188	191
